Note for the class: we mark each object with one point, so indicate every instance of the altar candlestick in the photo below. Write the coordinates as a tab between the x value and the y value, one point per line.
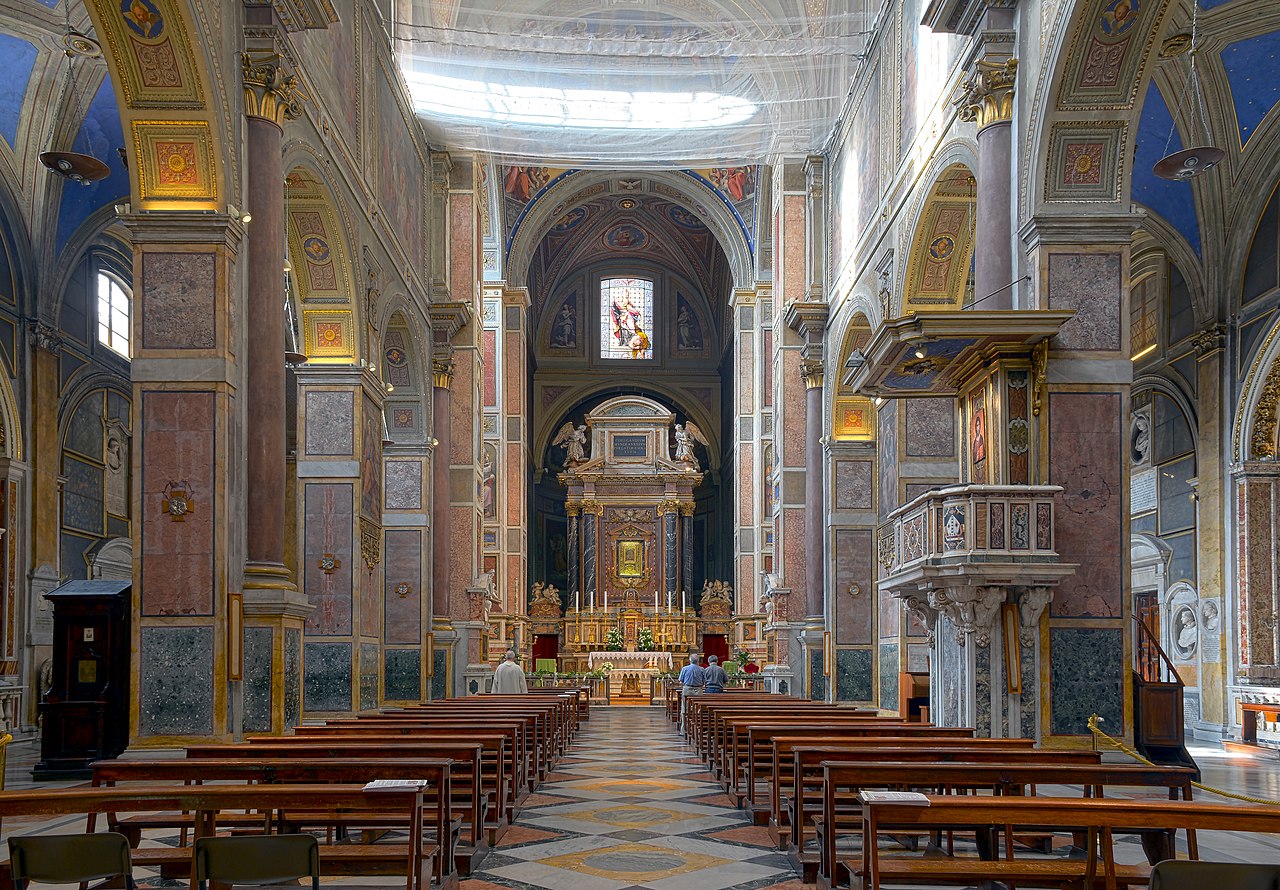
606	599
655	602
682	605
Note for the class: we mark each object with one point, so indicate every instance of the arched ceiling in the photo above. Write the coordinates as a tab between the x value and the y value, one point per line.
629	227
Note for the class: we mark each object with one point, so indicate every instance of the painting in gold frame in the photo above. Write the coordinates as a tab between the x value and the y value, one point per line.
630	559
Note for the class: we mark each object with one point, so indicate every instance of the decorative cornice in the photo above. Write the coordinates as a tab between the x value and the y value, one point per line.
269	92
809	319
449	317
987	97
811	371
305	15
442	372
1210	340
45	336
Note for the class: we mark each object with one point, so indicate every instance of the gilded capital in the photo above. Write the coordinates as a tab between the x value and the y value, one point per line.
269	92
811	370
987	97
1262	445
441	372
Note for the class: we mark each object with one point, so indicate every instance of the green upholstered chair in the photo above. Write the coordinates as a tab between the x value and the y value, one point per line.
257	859
69	858
1180	874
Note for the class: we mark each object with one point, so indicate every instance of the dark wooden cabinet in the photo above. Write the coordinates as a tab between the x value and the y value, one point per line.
85	714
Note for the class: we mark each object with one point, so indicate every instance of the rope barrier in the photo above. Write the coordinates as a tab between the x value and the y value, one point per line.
1120	745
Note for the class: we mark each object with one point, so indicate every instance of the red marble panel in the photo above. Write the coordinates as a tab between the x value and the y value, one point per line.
1259	548
513	389
1085	458
402	590
515	603
462	413
746	486
792	248
179	432
461	561
793	411
854	559
793	556
890	615
490	383
462	247
370	599
746	372
329	560
745	585
514	485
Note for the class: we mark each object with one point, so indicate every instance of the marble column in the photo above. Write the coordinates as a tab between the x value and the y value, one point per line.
45	452
270	98
686	552
590	518
441	428
1212	547
575	566
669	551
987	98
809	320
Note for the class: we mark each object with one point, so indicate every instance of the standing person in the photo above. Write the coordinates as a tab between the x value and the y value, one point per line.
692	676
716	678
508	678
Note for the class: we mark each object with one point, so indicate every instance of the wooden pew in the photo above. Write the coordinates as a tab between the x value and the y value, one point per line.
841	811
794	763
802	798
1099	820
470	791
733	754
413	859
441	825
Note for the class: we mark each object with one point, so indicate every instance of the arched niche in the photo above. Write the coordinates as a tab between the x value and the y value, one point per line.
1256	433
939	269
852	415
320	272
689	192
403	367
95	431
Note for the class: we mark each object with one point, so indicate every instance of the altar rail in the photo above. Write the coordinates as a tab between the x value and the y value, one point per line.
968	524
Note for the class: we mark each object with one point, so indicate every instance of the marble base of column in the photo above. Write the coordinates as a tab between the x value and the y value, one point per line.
993	225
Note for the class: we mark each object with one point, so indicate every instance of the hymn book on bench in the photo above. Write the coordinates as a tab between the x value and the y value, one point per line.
396	785
905	798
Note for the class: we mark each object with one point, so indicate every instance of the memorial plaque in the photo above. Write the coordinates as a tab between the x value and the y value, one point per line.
630	446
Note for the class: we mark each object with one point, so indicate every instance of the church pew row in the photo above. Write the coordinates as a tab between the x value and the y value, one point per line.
583	694
413	858
512	780
794	766
440	823
471	792
698	708
841	812
732	752
1098	820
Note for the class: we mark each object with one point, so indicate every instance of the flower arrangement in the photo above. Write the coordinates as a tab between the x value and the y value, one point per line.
742	656
645	641
613	641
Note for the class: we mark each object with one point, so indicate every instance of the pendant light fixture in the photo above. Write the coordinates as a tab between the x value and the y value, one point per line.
73	165
1191	162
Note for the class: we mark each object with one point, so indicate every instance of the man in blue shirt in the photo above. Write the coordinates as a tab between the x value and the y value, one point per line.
714	678
692	677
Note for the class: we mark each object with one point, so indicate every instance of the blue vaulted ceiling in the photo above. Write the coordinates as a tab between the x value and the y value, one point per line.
19	58
1252	67
100	136
1174	201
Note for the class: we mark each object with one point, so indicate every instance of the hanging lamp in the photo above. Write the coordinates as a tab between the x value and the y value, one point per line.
1197	160
73	165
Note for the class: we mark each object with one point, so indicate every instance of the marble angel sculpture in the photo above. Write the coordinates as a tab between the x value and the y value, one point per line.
574	440
686	435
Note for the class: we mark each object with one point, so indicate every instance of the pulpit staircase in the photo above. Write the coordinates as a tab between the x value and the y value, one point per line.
1158	732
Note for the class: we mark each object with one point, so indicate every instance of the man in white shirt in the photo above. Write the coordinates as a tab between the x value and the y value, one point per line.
508	678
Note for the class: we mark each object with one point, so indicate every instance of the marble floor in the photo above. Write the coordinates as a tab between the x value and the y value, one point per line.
631	806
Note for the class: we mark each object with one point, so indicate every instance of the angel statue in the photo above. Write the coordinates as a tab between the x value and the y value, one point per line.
687	434
574	440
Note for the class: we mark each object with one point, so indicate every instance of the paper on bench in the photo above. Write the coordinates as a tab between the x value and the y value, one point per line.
906	798
396	785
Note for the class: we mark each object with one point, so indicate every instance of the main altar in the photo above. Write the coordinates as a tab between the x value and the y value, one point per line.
630	504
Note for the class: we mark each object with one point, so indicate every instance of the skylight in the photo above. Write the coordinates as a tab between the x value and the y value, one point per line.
504	103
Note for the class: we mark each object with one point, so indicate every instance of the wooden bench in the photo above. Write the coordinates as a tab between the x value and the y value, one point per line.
841	812
206	803
470	792
802	797
1098	820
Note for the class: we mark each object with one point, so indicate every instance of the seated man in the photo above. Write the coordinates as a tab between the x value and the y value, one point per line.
691	680
716	678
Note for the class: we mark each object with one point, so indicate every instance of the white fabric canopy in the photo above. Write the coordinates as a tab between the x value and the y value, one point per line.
631	87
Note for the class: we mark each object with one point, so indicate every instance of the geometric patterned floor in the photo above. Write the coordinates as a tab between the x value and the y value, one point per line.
631	806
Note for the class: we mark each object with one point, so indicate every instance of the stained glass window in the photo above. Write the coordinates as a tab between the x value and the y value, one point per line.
626	318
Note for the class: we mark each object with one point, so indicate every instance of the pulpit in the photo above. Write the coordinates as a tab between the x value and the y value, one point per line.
85	714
